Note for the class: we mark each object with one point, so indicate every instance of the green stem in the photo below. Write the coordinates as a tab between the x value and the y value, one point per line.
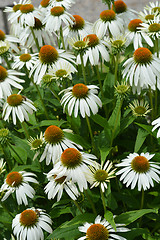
141	206
90	132
116	68
25	129
7	62
77	205
103	200
35	39
156	47
91	202
6	158
151	103
12	148
61	37
54	93
83	68
6	209
101	88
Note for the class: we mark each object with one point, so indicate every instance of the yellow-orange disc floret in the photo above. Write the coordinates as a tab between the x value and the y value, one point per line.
120	6
142	55
59	180
107	15
26	8
28	217
57	11
140	164
154	27
134	24
80	90
71	158
149	17
25	57
100	175
2	35
97	232
3	73
53	134
93	40
78	22
16	7
14	179
48	54
15	100
44	3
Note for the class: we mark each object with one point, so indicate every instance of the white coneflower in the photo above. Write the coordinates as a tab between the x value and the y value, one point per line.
154	7
18	182
136	36
48	56
64	3
102	230
151	28
108	21
30	223
55	143
2	165
142	70
74	165
138	169
18	106
7	79
147	15
100	175
156	122
81	97
25	59
57	185
140	108
9	41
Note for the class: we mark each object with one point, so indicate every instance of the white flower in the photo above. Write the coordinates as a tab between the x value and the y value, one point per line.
25	59
79	28
57	185
101	175
135	36
139	108
7	79
18	182
48	56
74	165
55	143
64	3
9	40
142	70
108	21
151	28
137	169
81	97
147	15
123	12
29	224
2	165
19	106
96	49
55	17
101	229
154	7
157	125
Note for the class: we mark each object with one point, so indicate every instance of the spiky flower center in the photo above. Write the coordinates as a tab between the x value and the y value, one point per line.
156	9
47	78
59	180
2	35
44	3
108	15
154	27
36	143
118	43
15	100
28	218
3	73
122	89
140	164
4	132
101	175
26	8
80	90
59	0
80	44
71	158
53	134
14	179
120	6
142	55
57	11
16	7
61	73
25	57
134	24
149	17
78	22
48	54
37	24
97	232
93	40
140	110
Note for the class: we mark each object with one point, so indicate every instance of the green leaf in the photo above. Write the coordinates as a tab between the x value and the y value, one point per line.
77	139
19	154
109	217
100	120
104	151
51	122
132	216
141	136
69	230
134	233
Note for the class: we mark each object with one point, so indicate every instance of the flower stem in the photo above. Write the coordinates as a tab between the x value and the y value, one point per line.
141	206
54	93
77	205
91	202
90	132
83	68
35	39
61	37
116	68
103	200
7	62
25	129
